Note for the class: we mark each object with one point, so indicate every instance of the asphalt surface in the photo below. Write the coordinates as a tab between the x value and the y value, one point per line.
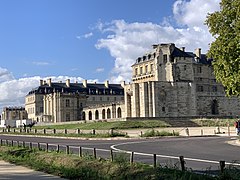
200	153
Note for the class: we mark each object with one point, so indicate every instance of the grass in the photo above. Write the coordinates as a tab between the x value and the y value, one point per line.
87	135
73	167
214	122
109	125
154	133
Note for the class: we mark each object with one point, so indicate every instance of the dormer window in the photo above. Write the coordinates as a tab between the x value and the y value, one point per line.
165	58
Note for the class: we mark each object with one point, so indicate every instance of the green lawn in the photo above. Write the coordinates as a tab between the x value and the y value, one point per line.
108	125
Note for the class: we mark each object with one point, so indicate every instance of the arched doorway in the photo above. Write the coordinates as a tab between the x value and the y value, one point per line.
119	113
103	114
108	113
83	115
96	114
90	115
214	107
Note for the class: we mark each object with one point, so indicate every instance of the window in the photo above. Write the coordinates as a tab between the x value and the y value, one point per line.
199	69
163	109
115	98
136	71
141	70
165	58
100	98
214	88
67	103
185	67
151	67
200	88
146	69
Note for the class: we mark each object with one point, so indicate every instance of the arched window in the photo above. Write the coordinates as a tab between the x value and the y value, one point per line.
103	114
108	113
83	116
119	112
214	107
96	114
90	115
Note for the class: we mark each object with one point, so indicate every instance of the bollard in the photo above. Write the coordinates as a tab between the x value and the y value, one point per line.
78	131
187	131
67	149
14	130
201	132
93	131
38	146
80	151
222	166
54	131
44	131
228	130
23	143
154	160
20	130
182	162
131	157
94	153
46	147
57	148
111	155
27	130
65	131
12	143
141	133
173	132
35	131
30	145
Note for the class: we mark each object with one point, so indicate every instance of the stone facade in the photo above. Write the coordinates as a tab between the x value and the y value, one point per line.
62	102
167	82
14	113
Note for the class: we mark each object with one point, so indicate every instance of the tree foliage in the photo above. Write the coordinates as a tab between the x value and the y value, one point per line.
224	25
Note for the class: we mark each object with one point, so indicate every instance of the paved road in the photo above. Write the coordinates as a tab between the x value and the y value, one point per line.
201	153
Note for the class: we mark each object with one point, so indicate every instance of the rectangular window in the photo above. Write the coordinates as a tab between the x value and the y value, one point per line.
151	67
165	58
199	69
214	88
136	71
146	69
141	70
200	88
67	103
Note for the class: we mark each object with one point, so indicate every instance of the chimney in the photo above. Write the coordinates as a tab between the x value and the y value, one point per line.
107	84
41	82
182	49
198	52
49	81
85	83
68	82
123	84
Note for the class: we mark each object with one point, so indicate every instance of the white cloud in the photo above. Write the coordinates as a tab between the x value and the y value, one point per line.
98	70
40	63
13	91
86	36
5	75
126	41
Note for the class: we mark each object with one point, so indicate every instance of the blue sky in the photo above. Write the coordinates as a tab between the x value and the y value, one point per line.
92	39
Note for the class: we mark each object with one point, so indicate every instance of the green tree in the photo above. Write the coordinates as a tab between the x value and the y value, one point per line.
224	25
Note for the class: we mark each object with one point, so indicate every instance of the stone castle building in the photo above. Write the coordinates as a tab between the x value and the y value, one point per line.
14	113
61	102
167	82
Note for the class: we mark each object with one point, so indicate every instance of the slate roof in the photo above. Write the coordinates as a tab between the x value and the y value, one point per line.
93	89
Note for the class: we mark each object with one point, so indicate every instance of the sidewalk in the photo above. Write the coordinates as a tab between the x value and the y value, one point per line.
12	172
